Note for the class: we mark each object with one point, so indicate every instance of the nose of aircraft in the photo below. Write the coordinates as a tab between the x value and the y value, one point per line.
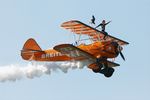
119	49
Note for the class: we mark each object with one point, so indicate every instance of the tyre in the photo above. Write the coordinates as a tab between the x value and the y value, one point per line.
108	72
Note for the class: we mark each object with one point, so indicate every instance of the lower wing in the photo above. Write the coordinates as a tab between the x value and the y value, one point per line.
80	55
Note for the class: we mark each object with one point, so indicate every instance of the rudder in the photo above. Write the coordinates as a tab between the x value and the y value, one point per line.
31	44
29	48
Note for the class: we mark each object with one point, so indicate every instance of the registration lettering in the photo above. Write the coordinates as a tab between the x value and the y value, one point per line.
50	55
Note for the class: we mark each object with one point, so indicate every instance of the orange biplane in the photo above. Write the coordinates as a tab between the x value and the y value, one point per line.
96	53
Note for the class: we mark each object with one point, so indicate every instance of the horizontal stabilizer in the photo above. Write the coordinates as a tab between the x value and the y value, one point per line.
30	48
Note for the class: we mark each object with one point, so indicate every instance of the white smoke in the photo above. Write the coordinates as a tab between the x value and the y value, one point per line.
17	72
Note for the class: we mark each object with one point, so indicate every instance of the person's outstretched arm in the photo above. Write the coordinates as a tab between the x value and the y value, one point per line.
98	25
107	22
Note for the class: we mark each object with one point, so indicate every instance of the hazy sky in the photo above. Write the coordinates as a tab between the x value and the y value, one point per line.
41	19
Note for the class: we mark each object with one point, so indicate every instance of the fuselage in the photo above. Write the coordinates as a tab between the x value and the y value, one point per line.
97	49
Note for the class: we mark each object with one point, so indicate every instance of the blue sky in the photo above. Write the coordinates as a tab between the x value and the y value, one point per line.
41	19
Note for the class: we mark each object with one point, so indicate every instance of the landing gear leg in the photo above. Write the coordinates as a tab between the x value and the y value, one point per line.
103	68
100	65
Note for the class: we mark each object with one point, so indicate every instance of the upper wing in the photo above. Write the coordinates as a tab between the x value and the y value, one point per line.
81	28
73	52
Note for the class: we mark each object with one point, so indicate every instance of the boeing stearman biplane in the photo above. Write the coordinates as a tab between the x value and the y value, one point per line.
97	53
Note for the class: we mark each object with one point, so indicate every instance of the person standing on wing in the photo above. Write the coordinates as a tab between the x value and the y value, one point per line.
103	25
93	20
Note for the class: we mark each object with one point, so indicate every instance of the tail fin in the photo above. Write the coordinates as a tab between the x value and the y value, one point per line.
31	44
29	48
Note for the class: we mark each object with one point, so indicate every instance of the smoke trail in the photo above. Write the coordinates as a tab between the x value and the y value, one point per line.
17	72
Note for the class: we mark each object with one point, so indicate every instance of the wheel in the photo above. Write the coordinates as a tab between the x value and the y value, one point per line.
108	72
96	70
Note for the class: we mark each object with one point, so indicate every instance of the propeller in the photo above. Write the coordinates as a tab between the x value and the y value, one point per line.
119	49
121	54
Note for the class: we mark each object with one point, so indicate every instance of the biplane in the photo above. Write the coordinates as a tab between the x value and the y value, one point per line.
97	53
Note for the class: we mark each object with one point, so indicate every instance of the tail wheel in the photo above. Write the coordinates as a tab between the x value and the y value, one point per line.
108	72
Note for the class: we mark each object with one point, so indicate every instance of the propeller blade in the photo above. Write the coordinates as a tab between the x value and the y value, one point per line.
121	54
119	49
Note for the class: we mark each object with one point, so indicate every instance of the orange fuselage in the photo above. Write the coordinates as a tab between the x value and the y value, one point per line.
97	49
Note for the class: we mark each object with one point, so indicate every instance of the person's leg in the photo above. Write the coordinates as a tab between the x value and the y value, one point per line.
106	34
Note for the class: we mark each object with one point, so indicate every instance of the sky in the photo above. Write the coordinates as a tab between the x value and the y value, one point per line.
41	20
